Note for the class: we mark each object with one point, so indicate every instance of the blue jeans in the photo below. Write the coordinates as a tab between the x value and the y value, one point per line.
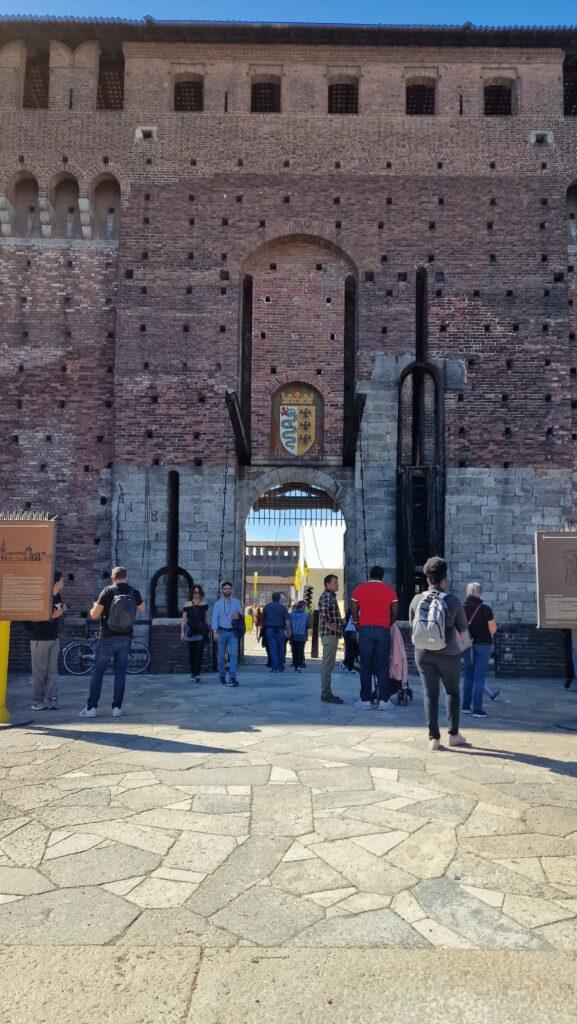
375	655
227	641
106	648
475	662
275	639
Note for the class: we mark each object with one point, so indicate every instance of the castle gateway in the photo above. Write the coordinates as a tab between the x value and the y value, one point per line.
330	261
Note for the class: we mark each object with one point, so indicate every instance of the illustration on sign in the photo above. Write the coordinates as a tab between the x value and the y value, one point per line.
297	421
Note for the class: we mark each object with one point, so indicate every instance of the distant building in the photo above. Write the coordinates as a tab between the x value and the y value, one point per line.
275	565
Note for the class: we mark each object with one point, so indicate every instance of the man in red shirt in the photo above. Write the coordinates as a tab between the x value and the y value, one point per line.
375	607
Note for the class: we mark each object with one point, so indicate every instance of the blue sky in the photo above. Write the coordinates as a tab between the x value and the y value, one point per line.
446	12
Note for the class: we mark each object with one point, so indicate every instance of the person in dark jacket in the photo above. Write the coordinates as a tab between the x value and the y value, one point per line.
44	649
299	619
475	661
276	626
443	665
194	629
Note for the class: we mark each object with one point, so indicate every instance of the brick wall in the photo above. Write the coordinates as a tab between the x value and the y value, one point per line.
139	339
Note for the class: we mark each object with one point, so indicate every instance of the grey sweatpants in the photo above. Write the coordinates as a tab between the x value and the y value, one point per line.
45	670
330	644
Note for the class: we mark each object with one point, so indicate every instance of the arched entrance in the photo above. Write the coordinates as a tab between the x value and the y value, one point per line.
294	531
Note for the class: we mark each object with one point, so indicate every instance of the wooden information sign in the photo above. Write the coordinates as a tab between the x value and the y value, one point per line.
556	558
27	552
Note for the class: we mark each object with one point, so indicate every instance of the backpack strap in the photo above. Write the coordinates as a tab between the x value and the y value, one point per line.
469	621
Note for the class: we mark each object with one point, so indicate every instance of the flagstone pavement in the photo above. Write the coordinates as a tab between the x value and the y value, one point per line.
221	854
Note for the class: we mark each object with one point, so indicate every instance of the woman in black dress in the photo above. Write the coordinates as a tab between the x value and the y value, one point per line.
194	629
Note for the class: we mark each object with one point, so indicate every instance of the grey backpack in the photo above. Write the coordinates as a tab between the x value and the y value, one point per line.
429	622
122	612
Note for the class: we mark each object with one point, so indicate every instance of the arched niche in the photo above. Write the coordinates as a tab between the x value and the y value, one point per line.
162	603
64	195
23	195
106	208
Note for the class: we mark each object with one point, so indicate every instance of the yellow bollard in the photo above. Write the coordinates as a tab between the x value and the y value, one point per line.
4	648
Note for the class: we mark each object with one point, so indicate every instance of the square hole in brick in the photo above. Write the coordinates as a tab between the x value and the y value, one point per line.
336	200
492	258
185	328
439	277
154	399
337	165
384	259
144	256
328	300
129	274
143	328
547	362
515	328
224	222
369	276
196	435
191	255
558	277
191	222
155	462
439	165
319	266
401	277
239	199
146	366
388	165
319	372
267	298
100	438
224	275
489	225
286	163
197	460
148	161
544	257
332	336
384	329
273	370
143	290
389	293
431	257
441	201
272	266
263	335
439	293
509	364
338	225
546	293
492	165
432	225
223	290
262	223
193	162
286	199
240	163
222	329
492	201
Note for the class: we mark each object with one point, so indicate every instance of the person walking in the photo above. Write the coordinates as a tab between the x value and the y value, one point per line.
225	612
299	620
475	660
116	608
276	625
435	618
330	629
194	629
375	607
44	650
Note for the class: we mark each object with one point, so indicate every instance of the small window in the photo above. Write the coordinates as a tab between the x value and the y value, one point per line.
420	98
499	99
188	95
36	80
344	98
265	97
570	86
110	92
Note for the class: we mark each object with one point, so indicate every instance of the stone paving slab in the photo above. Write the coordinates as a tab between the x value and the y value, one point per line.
216	818
81	986
346	986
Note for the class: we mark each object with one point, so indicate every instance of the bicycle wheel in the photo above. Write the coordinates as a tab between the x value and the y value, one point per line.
78	657
138	659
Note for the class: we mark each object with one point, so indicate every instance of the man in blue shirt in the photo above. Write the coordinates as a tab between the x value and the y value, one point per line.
225	613
277	627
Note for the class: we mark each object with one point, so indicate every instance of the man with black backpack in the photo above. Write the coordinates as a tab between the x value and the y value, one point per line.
437	622
116	607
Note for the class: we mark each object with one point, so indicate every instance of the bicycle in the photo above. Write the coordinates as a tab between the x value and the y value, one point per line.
78	657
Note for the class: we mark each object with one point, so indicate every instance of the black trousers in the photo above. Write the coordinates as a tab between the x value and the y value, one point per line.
351	649
435	667
195	652
298	651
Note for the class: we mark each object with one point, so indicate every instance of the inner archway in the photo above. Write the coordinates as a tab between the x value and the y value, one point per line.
294	537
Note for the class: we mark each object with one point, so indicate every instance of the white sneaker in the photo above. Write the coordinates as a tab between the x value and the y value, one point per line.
117	712
38	707
88	713
364	704
387	705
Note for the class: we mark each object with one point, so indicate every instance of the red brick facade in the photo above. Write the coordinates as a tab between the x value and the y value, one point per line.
116	350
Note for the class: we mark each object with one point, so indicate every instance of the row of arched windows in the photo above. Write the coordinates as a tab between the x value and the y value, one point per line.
62	214
500	96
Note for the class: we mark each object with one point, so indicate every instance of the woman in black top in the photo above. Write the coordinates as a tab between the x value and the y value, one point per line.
194	629
475	661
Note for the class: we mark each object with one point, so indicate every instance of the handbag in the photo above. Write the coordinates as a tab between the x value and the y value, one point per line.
464	641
